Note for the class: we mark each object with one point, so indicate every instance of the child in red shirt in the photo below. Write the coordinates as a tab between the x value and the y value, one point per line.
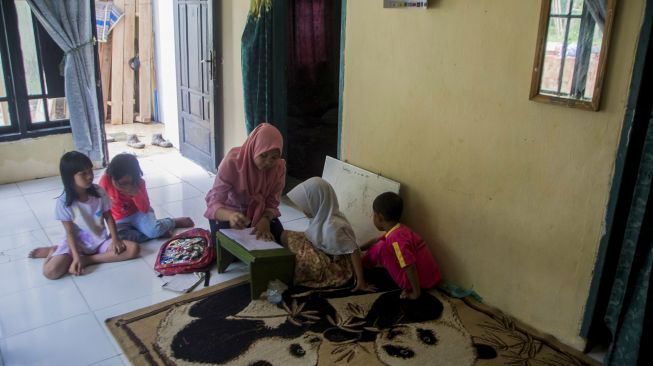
402	252
131	208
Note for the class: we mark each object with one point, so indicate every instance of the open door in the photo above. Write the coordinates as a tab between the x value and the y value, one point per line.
198	53
306	82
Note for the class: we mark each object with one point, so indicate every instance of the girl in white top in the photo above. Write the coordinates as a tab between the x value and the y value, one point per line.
326	253
83	209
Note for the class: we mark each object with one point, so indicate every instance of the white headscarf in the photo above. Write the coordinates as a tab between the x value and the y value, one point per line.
328	229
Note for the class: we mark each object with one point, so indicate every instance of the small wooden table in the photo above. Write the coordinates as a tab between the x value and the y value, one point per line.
264	265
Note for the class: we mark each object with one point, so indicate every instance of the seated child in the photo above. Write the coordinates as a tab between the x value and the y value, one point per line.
402	252
131	205
85	212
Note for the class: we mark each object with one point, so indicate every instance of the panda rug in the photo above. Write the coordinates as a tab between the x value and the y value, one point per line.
221	326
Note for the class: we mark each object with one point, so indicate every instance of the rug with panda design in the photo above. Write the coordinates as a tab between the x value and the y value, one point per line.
221	326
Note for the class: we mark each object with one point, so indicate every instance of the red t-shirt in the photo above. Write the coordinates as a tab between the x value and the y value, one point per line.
124	205
399	248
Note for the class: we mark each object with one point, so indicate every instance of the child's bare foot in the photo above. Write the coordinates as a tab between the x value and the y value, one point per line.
41	252
184	222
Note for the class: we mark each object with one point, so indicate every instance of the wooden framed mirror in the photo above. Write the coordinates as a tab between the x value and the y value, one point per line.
572	46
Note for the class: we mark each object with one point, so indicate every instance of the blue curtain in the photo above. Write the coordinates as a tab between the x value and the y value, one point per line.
629	313
256	59
68	22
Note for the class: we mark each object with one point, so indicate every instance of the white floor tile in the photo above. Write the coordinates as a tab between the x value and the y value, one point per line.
172	193
55	233
150	250
9	190
135	304
40	185
202	182
21	275
183	168
160	178
113	361
75	341
128	306
192	207
130	281
13	204
18	222
36	307
43	205
25	241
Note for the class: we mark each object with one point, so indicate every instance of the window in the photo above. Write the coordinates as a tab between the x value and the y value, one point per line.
571	51
32	99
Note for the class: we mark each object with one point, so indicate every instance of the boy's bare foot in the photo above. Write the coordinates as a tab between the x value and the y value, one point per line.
184	222
41	252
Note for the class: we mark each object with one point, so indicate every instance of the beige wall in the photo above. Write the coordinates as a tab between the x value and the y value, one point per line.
32	158
510	194
234	17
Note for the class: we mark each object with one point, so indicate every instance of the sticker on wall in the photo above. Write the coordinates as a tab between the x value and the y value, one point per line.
405	4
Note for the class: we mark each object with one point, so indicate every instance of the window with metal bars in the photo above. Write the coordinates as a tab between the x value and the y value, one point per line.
32	98
571	57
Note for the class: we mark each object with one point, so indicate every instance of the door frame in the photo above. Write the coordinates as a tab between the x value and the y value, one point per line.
280	70
621	162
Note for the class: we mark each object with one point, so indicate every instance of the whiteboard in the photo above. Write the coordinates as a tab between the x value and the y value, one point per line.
356	189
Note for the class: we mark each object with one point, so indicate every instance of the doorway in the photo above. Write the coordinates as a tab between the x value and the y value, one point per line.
625	219
197	47
312	85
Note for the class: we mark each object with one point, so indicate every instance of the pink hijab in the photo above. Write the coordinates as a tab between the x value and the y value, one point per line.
241	186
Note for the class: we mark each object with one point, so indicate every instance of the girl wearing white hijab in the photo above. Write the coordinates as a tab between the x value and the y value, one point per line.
327	250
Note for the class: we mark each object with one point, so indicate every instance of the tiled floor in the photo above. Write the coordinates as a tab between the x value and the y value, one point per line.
61	322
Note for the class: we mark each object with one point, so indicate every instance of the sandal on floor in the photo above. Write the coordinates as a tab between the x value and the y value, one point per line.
158	140
134	142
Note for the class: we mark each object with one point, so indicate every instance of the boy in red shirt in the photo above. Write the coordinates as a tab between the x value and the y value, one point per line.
131	208
402	252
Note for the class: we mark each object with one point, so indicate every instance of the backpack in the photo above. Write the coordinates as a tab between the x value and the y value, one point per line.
188	251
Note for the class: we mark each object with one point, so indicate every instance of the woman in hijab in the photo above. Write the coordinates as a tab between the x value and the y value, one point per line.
248	186
326	253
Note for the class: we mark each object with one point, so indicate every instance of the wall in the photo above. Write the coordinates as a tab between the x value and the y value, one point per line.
166	68
510	194
32	158
234	18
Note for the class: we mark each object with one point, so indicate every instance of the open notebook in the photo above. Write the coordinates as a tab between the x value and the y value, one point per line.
249	241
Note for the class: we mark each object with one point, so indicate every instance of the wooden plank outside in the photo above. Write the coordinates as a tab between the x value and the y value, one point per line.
117	66
105	73
128	53
4	108
145	55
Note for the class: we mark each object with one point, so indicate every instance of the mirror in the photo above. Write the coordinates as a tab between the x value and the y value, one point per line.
572	45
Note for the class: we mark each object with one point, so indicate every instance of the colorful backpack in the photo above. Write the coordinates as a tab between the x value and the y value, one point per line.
189	251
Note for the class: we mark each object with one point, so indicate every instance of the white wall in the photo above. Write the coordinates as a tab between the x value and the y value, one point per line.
166	68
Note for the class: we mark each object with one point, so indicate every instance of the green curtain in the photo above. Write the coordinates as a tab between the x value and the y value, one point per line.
630	309
256	58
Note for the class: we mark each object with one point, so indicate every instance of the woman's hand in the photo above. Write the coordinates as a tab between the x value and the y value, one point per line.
238	221
117	246
262	229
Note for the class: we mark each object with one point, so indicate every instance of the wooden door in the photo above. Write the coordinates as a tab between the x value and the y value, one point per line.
197	59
